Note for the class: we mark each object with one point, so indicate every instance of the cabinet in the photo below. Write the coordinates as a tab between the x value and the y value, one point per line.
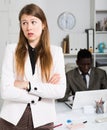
100	26
97	22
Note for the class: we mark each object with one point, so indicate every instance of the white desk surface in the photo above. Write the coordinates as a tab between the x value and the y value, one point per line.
77	116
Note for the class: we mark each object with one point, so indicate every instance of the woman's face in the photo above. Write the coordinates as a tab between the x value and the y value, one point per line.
32	28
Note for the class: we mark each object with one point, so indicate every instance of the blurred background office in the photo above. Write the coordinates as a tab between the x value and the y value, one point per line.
88	20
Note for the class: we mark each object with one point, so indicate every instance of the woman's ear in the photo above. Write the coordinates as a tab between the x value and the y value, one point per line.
43	27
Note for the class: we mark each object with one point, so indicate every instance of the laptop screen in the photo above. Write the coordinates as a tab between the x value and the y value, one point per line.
84	98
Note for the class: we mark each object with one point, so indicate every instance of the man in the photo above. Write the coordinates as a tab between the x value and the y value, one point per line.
85	76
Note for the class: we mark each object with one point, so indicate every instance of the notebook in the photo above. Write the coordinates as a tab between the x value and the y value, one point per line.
85	98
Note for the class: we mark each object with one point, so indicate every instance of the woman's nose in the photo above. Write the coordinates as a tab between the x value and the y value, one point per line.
29	26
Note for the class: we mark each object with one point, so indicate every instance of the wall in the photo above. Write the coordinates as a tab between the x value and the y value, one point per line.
76	7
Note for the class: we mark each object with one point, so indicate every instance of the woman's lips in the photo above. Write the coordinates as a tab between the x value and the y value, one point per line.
30	34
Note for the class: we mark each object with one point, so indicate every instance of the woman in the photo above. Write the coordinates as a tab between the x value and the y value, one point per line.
32	76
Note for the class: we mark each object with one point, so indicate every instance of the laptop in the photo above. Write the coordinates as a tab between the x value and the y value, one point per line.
85	98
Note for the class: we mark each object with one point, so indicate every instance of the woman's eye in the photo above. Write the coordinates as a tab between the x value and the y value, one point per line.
34	22
24	23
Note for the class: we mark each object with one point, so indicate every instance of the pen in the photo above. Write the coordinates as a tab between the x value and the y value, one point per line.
57	125
85	122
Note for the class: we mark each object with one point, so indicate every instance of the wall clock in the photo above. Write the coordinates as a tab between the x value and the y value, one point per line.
66	21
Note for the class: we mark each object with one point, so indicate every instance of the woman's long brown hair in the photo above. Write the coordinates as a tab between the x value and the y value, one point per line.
44	55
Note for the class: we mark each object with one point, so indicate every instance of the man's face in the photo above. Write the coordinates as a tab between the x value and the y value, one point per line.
84	65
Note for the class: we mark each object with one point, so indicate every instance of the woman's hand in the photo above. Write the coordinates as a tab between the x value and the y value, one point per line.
21	84
54	79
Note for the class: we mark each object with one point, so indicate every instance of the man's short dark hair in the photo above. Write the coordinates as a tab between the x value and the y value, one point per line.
84	53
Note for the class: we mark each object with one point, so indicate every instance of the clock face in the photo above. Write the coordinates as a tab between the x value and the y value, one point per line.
66	21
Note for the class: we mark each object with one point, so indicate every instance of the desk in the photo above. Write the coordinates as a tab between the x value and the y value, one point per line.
77	116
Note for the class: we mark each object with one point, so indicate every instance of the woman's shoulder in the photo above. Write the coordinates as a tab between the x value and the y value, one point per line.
10	48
